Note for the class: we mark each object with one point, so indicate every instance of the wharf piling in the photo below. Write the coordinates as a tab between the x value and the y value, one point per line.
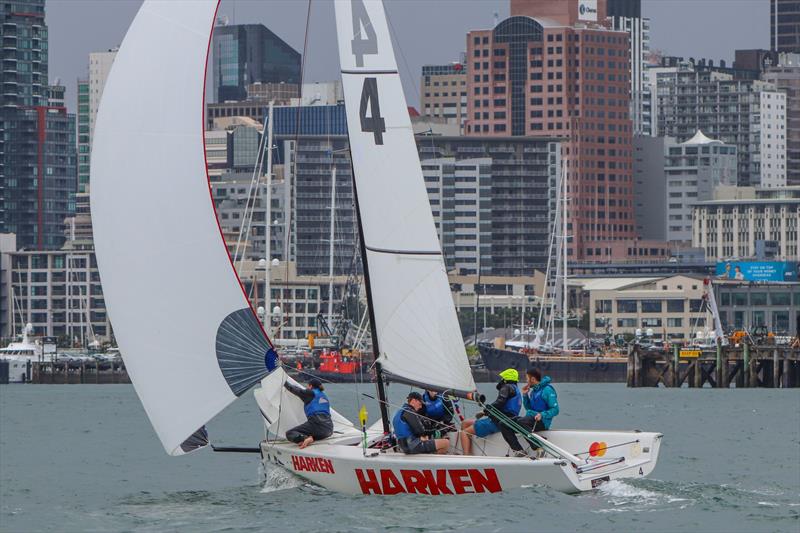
70	372
744	366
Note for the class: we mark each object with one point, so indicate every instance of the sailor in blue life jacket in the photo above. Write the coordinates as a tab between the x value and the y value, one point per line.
438	412
541	406
508	403
318	412
409	429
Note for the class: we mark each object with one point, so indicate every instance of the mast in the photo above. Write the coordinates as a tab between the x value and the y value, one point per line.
330	245
379	381
565	292
268	226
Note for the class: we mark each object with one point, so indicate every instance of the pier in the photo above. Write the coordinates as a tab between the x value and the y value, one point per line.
66	372
744	366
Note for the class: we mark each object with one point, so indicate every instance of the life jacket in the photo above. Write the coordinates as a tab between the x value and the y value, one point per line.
401	428
537	401
513	404
434	408
319	405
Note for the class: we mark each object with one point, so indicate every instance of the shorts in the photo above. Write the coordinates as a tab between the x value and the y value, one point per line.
485	426
413	445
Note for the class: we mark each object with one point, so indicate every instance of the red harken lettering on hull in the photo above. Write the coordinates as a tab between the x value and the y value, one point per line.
312	464
433	482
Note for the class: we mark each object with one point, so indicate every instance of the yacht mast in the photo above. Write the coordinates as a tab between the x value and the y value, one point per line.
564	239
330	244
268	226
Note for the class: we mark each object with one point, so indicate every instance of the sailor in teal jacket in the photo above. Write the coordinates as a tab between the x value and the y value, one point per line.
540	400
541	405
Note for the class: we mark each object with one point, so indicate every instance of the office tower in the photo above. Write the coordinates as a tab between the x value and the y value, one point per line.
627	16
245	54
443	92
784	16
569	78
693	169
785	75
38	167
748	114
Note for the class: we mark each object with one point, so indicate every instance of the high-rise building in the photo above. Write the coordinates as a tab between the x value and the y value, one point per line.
90	91
443	92
38	162
244	54
785	75
693	169
748	114
627	16
784	18
492	199
565	76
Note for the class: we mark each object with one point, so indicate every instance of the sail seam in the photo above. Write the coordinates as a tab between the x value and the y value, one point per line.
403	252
369	72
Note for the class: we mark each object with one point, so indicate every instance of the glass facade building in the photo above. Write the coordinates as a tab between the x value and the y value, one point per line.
244	54
38	162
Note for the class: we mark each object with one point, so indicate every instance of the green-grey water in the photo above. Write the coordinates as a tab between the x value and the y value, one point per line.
84	458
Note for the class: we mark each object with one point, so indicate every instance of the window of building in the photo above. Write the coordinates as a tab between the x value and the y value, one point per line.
602	306
674	322
779	298
758	298
626	322
651	306
695	305
651	322
675	306
626	306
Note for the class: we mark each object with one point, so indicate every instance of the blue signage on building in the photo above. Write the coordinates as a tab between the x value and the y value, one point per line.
757	270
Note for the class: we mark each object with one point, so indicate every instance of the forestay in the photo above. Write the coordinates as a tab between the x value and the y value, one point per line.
190	340
418	333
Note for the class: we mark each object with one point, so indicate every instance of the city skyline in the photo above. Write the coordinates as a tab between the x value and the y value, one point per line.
74	32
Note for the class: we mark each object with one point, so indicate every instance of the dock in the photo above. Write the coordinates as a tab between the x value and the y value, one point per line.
746	366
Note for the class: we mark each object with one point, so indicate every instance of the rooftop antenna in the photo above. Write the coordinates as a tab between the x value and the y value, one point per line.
496	19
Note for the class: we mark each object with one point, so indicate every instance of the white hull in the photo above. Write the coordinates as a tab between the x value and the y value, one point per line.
341	466
17	368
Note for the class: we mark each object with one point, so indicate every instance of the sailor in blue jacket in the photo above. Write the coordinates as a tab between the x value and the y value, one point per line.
409	429
438	412
541	406
318	412
489	421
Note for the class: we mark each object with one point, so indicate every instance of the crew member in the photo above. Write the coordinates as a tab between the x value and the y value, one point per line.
541	406
409	430
318	412
438	412
508	403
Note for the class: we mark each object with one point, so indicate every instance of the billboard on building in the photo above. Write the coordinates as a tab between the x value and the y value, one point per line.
587	10
757	270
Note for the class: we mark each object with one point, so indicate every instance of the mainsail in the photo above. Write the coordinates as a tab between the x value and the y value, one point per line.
190	339
415	320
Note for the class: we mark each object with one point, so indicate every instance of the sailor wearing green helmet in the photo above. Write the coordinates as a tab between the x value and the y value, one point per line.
508	402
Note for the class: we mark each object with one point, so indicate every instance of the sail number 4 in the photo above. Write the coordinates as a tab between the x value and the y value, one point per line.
374	124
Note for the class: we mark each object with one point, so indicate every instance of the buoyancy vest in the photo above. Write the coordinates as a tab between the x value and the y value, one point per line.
537	400
401	428
434	407
513	404
319	405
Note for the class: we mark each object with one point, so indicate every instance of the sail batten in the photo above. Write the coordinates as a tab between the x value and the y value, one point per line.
190	340
417	330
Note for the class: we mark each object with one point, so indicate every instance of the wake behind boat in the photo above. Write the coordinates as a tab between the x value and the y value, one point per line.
216	349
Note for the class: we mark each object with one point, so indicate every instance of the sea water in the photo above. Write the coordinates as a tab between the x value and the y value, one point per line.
84	458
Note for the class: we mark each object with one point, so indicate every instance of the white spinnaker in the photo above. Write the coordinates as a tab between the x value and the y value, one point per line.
168	282
418	333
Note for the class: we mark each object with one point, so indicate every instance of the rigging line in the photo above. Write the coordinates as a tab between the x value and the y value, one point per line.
253	181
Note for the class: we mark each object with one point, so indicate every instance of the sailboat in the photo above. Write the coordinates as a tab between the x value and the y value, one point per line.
166	271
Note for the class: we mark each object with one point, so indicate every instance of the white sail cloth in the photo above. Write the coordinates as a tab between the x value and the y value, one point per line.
190	341
418	333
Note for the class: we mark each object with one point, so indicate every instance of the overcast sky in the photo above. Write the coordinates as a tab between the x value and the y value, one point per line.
426	31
